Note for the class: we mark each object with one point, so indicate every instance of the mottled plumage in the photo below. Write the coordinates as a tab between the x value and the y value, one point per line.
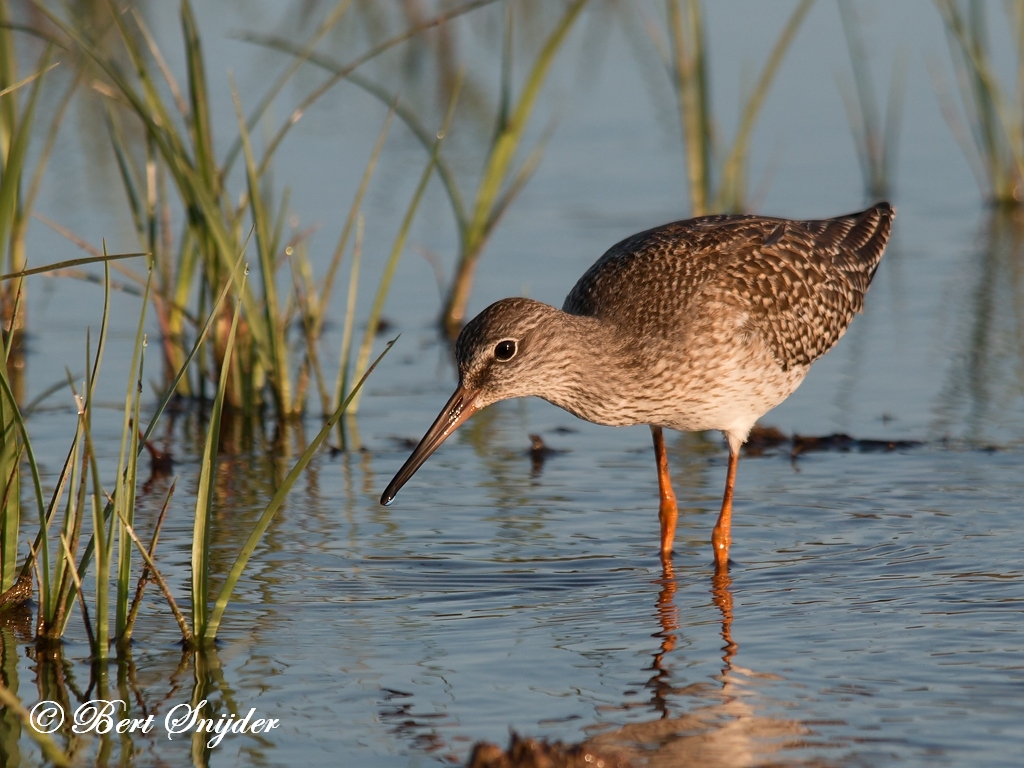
700	324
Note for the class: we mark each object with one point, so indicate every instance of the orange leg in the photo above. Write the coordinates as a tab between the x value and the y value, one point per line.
667	511
721	537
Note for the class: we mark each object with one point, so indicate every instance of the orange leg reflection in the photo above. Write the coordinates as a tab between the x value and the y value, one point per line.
668	618
722	595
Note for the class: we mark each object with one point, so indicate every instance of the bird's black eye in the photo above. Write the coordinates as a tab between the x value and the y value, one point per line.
505	350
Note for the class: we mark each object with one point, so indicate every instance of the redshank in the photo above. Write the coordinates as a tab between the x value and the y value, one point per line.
700	324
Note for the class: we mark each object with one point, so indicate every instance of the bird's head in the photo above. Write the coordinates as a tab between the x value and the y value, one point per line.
506	351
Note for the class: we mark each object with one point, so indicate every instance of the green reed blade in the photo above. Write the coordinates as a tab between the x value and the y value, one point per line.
689	77
992	120
124	491
8	74
520	179
7	400
497	168
862	104
350	314
383	288
51	586
505	90
350	219
204	495
126	512
375	51
224	596
19	294
266	249
200	122
11	209
161	62
509	137
47	593
129	174
106	257
285	77
11	452
27	80
10	503
71	529
731	190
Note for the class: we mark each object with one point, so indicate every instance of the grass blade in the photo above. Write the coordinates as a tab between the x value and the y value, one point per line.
266	249
204	494
399	245
210	632
497	169
731	192
350	313
71	263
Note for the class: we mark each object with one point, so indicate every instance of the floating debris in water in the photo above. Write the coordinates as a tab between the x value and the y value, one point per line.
763	438
841	442
539	453
530	753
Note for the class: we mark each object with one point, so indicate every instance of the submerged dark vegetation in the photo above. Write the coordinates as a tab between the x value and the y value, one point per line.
239	303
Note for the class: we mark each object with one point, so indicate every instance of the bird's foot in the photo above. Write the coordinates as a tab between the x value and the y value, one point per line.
666	558
720	542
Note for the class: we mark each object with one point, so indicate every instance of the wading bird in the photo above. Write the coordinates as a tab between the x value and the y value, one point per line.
701	324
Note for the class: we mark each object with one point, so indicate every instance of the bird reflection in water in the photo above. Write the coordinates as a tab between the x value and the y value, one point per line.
725	733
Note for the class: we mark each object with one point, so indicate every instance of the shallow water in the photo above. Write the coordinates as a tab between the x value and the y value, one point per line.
875	610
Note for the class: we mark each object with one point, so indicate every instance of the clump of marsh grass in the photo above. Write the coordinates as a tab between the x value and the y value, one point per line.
716	180
85	511
241	345
179	148
19	184
16	450
994	113
52	555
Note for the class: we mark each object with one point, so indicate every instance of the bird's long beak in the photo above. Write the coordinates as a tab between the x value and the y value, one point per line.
460	407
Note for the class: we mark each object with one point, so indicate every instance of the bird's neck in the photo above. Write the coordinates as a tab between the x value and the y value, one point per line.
594	373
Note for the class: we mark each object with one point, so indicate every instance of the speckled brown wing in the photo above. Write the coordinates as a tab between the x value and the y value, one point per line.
807	279
800	282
